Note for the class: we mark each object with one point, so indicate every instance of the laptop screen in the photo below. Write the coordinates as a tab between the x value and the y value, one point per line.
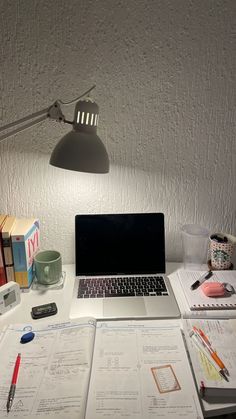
114	244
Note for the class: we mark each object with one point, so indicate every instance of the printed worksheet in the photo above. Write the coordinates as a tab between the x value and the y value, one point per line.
221	338
54	371
140	370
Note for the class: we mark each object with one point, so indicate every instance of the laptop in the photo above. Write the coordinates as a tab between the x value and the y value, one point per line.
120	267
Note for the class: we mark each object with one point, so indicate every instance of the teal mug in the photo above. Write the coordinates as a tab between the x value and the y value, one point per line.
48	267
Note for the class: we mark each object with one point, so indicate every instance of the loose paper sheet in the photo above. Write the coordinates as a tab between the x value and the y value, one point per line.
221	334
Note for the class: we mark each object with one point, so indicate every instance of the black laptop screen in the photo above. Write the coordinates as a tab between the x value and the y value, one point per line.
119	244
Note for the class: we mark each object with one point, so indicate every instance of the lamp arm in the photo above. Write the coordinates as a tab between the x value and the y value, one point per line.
53	112
22	128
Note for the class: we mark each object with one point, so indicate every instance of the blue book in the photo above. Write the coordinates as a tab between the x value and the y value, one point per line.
25	239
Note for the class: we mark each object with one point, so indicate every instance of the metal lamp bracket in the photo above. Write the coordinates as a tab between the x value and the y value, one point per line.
55	112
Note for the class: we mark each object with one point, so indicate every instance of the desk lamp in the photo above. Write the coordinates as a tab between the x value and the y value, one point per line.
81	149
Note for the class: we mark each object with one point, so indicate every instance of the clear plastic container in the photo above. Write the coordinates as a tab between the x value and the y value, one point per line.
195	240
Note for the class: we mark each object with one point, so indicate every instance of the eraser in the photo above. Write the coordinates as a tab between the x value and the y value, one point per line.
213	289
27	337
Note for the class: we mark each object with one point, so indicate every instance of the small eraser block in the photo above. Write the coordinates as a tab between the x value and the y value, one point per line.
213	289
27	337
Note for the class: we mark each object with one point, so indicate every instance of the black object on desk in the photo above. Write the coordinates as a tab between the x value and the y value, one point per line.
44	310
202	279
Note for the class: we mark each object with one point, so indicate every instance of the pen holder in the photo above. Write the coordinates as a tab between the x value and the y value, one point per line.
221	250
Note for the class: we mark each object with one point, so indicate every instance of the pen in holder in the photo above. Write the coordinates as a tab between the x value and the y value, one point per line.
221	251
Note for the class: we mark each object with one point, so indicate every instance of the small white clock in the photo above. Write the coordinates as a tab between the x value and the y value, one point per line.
9	296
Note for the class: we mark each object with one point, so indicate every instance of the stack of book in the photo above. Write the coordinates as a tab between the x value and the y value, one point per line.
19	242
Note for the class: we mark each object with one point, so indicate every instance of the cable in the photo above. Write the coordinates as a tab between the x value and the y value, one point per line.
75	100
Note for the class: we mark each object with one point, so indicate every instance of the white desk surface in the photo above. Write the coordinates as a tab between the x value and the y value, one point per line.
62	297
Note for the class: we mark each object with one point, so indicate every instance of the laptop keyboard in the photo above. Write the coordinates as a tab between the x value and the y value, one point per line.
145	286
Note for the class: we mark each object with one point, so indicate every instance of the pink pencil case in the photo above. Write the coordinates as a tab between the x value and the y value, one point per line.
217	289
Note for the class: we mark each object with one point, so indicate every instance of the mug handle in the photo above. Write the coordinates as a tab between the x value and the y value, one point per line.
46	270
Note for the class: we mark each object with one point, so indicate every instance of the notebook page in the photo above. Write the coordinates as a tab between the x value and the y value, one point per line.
140	368
54	371
221	334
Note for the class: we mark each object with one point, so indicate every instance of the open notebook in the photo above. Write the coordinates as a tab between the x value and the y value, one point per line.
92	370
197	300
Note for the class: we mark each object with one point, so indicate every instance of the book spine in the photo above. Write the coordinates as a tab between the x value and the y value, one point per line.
10	273
8	258
3	277
24	249
20	262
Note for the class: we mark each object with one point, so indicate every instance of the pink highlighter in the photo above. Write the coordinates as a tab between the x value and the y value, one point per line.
217	289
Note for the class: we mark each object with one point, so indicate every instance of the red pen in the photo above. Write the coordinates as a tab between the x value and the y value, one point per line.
12	390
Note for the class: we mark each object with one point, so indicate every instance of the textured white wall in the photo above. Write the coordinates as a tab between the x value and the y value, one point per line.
165	75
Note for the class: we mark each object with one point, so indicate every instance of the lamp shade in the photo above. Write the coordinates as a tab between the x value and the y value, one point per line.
81	149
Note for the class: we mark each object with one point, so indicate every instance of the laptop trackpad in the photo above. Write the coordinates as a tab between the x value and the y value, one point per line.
124	307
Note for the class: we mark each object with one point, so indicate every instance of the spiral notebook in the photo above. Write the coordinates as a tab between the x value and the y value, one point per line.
197	300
